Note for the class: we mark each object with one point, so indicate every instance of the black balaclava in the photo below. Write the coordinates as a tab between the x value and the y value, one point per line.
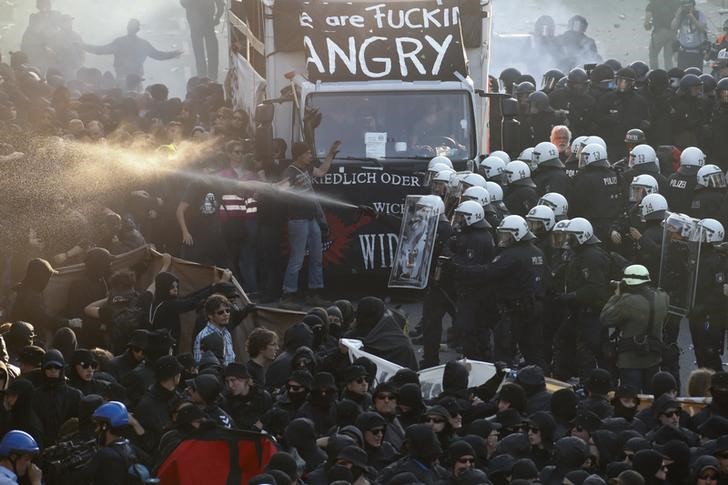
301	434
368	313
56	357
304	359
563	405
422	444
346	412
347	313
65	341
570	453
647	463
663	382
454	377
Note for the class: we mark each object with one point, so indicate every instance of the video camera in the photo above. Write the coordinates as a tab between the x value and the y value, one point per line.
60	459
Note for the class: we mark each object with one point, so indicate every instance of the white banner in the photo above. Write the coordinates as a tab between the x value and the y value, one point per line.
248	86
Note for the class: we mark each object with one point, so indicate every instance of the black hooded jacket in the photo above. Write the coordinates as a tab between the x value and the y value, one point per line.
154	410
423	450
300	434
166	309
298	335
22	416
54	401
29	305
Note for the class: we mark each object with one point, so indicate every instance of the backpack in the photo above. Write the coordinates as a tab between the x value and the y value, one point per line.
136	473
126	317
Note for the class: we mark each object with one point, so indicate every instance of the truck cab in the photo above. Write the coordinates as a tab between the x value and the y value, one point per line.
396	83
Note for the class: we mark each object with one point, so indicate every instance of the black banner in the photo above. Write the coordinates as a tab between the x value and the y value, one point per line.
409	41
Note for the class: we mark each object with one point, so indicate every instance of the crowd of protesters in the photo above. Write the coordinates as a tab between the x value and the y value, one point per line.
109	368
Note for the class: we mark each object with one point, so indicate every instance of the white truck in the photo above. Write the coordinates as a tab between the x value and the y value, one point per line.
397	82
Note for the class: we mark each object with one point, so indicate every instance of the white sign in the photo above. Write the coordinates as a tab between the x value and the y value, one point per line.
376	144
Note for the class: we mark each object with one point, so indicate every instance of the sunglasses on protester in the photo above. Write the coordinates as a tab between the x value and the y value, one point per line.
386	397
86	365
464	460
431	419
670	414
377	431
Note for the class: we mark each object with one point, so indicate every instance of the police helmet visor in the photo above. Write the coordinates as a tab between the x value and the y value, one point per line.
624	84
716	180
439	188
548	83
458	221
505	239
559	239
637	193
583	159
536	226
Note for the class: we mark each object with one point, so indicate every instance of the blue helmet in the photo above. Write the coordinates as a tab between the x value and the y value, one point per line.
20	442
113	412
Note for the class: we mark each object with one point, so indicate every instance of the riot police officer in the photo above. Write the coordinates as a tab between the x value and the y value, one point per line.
549	80
634	137
681	184
557	203
572	162
710	194
620	111
586	290
440	291
643	161
718	145
601	81
550	174
631	219
508	79
471	247
521	192
435	165
493	168
522	91
540	121
690	116
708	316
518	276
577	102
595	193
648	239
658	96
578	47
496	209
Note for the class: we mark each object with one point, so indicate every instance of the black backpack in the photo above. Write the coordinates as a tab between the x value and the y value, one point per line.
126	317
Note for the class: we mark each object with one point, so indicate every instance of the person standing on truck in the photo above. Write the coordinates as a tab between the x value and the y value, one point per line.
306	223
203	16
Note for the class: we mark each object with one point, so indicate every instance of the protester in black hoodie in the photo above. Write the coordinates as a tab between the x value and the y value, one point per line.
410	404
301	435
719	403
570	454
29	304
541	427
380	452
297	335
321	405
422	452
54	401
168	305
81	373
649	464
244	400
531	378
93	286
18	400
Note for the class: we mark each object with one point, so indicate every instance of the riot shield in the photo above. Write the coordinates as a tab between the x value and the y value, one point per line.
411	267
679	261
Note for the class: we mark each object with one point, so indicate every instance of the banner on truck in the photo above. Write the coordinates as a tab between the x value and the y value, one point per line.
411	41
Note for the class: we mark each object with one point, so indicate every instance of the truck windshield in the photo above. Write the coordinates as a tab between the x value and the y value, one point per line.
395	125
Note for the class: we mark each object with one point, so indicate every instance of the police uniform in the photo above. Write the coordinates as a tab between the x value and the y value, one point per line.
579	108
520	197
471	248
708	316
681	188
595	194
708	202
587	288
551	179
518	276
617	113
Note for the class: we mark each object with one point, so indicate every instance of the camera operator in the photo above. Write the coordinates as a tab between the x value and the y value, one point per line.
115	462
17	449
691	26
638	312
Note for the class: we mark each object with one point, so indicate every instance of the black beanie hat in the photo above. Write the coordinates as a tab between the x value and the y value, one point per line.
207	386
454	377
167	367
663	382
525	469
458	449
285	463
369	420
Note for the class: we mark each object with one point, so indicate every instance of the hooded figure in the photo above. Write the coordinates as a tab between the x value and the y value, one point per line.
648	463
368	313
65	342
301	435
454	381
91	287
321	405
29	305
297	335
423	451
570	453
410	404
531	378
81	374
54	401
563	409
541	437
21	416
168	305
381	453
